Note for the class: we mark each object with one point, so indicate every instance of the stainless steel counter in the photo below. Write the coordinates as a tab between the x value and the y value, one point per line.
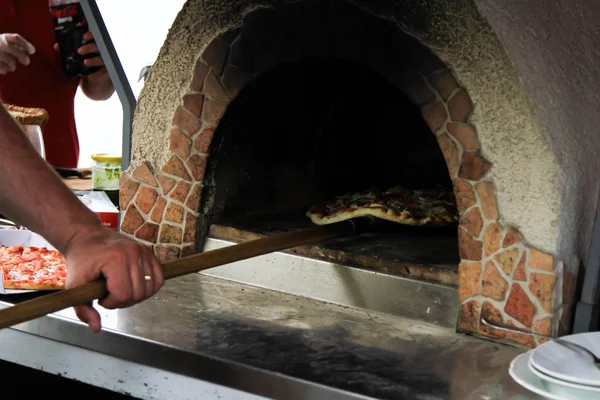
271	344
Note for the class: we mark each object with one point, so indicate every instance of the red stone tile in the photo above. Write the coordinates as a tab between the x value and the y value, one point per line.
493	285
491	238
157	212
519	306
215	55
193	102
213	88
179	143
521	338
143	174
180	192
213	111
450	152
465	196
473	167
507	260
203	140
543	326
173	213
197	165
435	115
200	72
460	107
166	183
541	261
170	234
468	247
191	224
469	280
512	235
472	222
444	83
188	250
487	197
132	220
464	134
542	287
166	253
147	232
520	274
127	189
186	121
193	201
541	341
469	316
176	167
145	199
493	315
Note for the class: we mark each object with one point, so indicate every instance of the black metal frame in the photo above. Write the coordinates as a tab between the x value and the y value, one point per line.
116	72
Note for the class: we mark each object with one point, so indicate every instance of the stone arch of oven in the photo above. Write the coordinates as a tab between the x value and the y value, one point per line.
500	276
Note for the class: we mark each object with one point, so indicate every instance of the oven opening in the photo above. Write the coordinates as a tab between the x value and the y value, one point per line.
306	132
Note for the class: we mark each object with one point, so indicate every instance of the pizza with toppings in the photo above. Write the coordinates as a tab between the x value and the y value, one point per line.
398	204
32	268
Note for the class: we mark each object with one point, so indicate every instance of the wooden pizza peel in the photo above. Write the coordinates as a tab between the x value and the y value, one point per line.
89	292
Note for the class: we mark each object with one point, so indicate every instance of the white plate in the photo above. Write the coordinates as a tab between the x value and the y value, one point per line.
520	372
568	364
562	388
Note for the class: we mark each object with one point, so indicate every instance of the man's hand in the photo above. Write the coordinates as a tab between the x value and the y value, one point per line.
14	48
97	85
124	263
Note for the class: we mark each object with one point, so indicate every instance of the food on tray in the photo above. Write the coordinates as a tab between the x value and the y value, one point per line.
398	204
32	268
28	116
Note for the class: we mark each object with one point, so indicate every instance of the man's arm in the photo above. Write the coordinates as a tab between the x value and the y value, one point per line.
34	196
96	86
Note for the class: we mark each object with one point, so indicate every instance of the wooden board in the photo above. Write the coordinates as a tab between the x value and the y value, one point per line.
78	184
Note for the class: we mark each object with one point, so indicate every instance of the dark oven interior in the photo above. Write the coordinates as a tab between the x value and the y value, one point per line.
308	131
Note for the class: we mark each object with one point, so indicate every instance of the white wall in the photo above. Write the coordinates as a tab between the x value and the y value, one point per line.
138	29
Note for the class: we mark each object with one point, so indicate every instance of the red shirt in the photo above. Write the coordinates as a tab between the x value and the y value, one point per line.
42	83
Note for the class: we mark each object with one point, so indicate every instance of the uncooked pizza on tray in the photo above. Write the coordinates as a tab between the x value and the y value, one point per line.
32	268
398	204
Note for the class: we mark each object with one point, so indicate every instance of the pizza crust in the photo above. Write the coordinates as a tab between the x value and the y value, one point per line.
372	205
28	115
403	218
29	286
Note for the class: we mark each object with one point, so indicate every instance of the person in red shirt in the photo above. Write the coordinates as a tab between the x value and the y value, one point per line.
31	75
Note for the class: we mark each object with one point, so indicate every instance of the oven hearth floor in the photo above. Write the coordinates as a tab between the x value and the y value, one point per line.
424	253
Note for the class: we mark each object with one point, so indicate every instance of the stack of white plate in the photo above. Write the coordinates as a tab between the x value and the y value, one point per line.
559	372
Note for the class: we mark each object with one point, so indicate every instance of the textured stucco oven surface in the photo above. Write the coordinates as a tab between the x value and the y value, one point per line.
524	169
554	46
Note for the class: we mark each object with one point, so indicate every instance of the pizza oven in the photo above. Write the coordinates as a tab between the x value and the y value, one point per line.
253	113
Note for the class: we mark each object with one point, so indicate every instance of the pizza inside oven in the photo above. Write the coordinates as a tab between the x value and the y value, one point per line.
32	268
398	204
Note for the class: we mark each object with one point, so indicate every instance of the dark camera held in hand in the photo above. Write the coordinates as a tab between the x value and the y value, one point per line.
70	24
